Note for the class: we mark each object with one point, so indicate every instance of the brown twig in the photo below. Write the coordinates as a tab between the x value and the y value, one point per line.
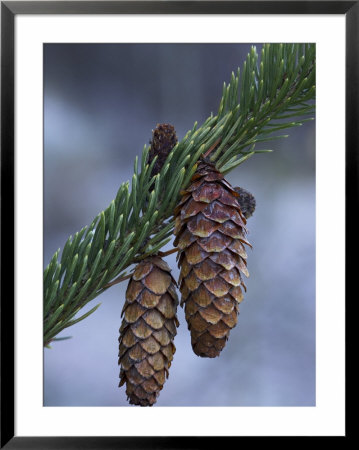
212	148
169	252
118	280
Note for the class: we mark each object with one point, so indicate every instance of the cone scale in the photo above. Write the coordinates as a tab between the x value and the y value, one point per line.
211	237
147	332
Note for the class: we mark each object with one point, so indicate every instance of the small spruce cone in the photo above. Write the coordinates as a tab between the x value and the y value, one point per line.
163	140
210	233
147	331
247	202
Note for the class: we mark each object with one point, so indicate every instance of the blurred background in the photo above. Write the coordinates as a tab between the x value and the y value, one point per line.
101	102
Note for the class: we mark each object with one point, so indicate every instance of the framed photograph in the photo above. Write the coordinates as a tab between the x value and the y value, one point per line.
154	155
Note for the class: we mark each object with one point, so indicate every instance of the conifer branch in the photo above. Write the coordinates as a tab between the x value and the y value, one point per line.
255	104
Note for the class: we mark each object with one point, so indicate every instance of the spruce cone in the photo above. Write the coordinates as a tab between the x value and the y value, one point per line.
147	331
210	230
163	140
246	201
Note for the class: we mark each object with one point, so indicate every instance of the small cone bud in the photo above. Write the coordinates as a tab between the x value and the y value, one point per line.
147	332
210	233
246	201
163	140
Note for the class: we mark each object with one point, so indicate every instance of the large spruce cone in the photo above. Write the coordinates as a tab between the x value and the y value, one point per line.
210	230
147	331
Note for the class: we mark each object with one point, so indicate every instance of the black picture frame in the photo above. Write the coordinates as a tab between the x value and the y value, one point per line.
9	10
